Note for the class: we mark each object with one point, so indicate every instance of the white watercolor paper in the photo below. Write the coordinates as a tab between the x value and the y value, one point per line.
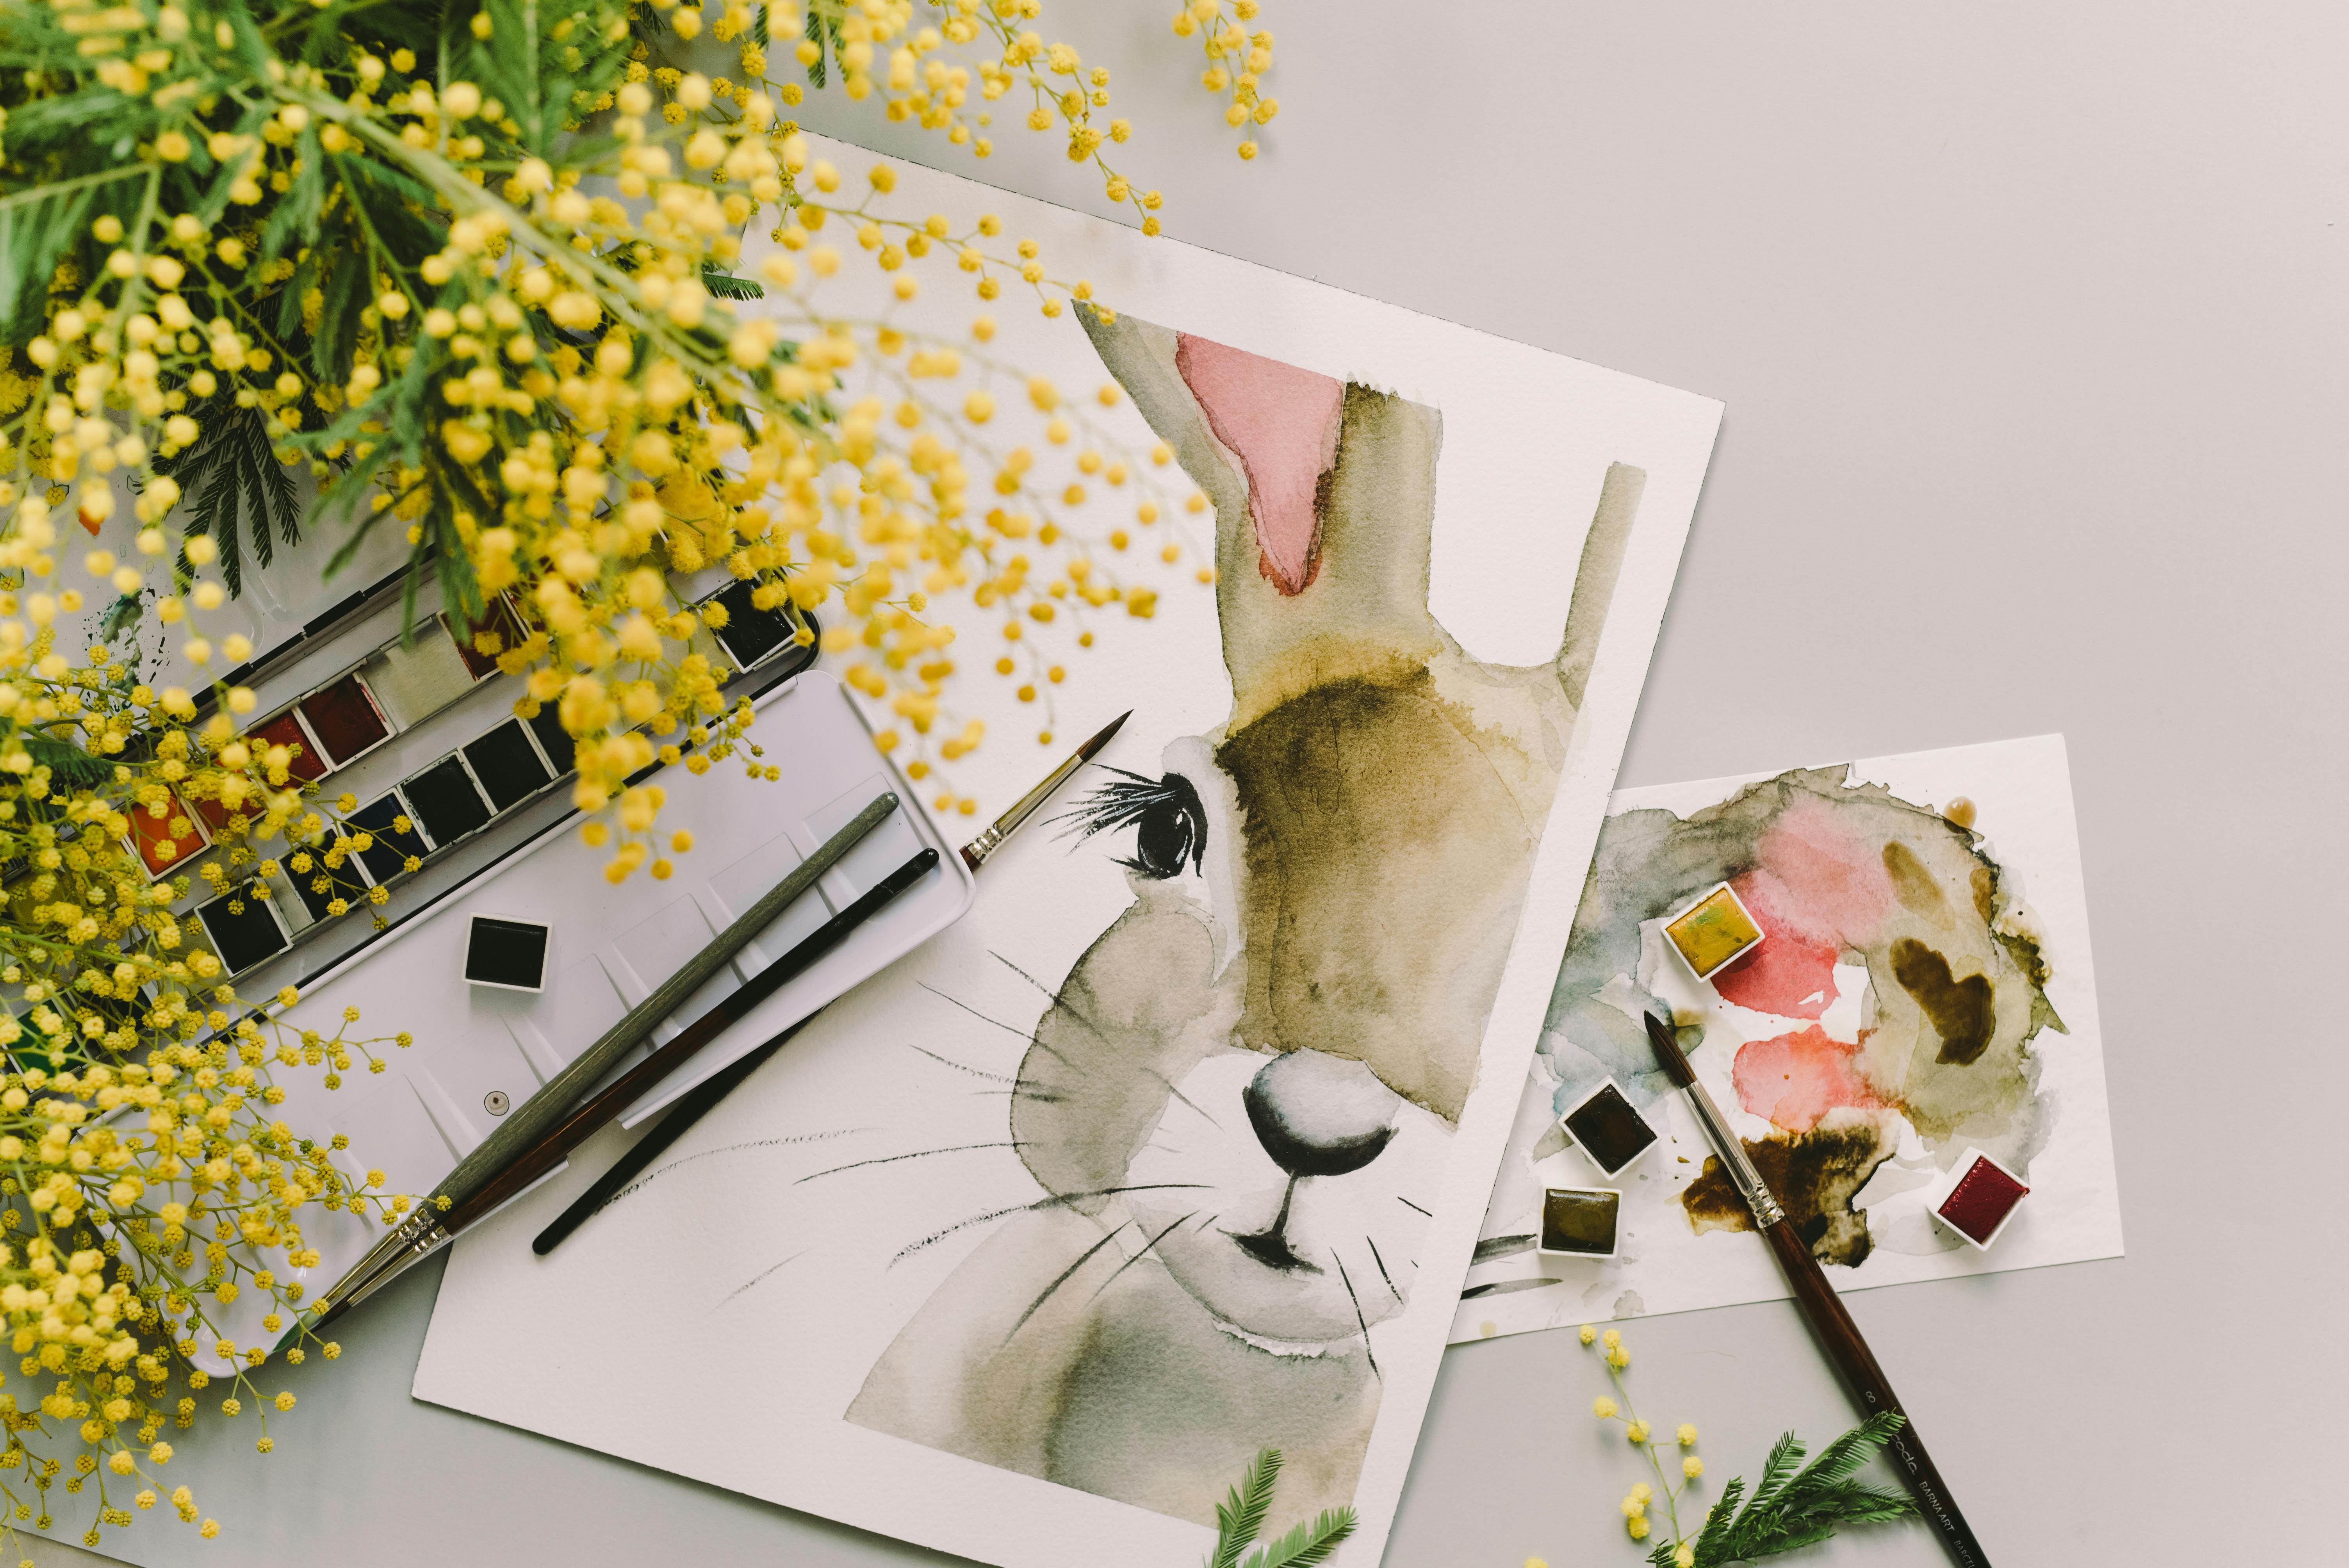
2058	1132
844	1284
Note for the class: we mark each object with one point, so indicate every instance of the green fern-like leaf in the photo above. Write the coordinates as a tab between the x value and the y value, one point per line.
1239	1518
1786	1455
1790	1508
1308	1542
727	286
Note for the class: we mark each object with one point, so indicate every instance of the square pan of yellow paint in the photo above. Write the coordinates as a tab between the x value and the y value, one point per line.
1713	933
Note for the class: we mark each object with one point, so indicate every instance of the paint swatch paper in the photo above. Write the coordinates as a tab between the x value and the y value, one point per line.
1177	1144
1923	991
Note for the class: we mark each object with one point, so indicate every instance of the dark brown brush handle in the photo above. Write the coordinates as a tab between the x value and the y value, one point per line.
593	1112
1840	1337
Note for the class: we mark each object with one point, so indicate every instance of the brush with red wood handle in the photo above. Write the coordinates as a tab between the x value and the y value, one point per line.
1837	1335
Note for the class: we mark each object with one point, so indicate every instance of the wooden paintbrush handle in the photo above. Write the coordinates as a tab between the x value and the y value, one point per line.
1840	1337
591	1115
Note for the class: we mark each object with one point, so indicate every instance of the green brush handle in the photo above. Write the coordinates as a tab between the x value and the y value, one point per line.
536	1116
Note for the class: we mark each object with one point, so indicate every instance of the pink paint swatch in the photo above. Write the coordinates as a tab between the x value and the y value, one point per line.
1795	1080
1283	423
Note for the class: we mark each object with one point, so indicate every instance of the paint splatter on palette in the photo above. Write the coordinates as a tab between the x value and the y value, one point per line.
1897	1012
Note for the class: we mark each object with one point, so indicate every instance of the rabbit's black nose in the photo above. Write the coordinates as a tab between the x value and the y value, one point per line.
1319	1115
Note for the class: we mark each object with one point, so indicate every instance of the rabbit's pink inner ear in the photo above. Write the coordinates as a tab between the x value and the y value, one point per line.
1283	424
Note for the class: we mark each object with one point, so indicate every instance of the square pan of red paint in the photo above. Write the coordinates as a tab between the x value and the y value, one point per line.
345	720
216	816
287	730
160	849
1981	1201
498	618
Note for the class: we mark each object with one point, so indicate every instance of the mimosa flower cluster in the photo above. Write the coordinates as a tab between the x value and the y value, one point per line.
545	292
1674	1479
1791	1505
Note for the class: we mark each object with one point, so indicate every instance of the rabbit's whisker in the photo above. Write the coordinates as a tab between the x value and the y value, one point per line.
1012	1029
958	1067
1147	1248
1065	1276
1382	1266
1057	1200
1411	1206
1359	1321
1061	1004
762	1275
659	1171
916	1154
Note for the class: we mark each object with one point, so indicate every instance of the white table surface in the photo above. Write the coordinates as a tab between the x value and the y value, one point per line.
2031	326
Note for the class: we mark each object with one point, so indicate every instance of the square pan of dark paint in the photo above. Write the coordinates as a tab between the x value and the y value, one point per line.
1580	1222
1609	1128
447	805
506	952
343	881
287	730
559	750
507	766
345	719
750	633
387	856
243	938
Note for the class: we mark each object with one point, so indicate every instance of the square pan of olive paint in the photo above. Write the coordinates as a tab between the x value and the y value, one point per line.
242	937
1580	1222
1608	1128
506	952
508	766
446	803
1714	932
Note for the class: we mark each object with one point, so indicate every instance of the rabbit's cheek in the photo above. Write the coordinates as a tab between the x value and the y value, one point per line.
1141	1008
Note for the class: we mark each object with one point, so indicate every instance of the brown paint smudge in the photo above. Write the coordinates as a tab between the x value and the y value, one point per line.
1965	1013
1814	1176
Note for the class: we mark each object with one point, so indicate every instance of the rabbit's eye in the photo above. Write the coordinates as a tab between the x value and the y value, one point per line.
1169	826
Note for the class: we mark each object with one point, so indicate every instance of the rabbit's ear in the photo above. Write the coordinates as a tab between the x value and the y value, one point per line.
1324	494
1595	576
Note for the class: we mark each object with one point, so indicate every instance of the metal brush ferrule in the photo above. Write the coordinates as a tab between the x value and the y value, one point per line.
1731	1149
419	1244
975	854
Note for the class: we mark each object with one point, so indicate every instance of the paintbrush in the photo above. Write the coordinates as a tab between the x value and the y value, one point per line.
1837	1335
524	1172
702	1097
534	1117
